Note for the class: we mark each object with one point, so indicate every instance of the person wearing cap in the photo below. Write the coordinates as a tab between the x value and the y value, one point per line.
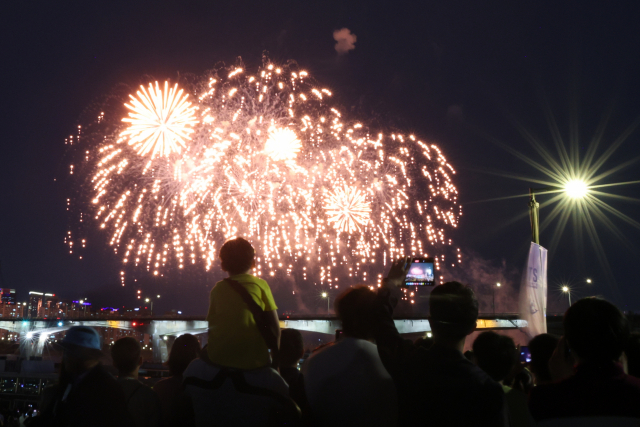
437	386
85	394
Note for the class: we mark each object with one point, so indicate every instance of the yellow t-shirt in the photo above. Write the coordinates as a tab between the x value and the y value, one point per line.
234	339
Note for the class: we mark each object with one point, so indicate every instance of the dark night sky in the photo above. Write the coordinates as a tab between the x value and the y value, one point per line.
448	71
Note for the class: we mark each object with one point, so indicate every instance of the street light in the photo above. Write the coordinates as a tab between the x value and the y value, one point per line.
575	189
589	281
84	307
567	290
494	297
150	300
326	295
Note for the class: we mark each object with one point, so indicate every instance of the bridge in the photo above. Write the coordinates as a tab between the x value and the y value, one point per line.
161	332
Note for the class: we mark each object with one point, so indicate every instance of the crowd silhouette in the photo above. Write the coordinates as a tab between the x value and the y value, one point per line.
248	373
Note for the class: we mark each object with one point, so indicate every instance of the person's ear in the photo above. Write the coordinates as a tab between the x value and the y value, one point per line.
253	263
140	361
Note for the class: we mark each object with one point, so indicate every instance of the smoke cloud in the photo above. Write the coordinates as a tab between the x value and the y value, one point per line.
483	275
345	41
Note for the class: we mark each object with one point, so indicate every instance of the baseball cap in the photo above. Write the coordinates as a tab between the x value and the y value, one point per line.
82	336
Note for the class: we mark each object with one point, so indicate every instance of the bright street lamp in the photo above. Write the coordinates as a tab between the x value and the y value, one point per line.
326	295
84	307
567	290
150	300
574	189
588	280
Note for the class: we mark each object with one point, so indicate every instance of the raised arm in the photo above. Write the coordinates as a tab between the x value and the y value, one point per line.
393	349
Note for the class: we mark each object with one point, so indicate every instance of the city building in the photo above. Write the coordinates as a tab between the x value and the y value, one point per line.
41	305
15	310
7	296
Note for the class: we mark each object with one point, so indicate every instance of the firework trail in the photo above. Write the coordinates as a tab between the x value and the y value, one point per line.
265	156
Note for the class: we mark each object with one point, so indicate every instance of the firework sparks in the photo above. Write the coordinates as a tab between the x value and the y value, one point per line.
265	156
282	144
347	209
159	120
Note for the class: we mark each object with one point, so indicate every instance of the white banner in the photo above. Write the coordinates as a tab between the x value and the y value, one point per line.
533	291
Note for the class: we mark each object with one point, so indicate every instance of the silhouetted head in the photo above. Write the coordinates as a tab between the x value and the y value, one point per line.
126	355
354	308
495	354
454	311
291	347
596	330
237	256
541	348
185	348
82	346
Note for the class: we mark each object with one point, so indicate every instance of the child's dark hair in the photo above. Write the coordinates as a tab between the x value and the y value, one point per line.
236	256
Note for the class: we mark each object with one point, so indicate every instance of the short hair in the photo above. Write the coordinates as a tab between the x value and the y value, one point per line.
291	347
596	330
541	348
125	354
354	307
236	255
453	310
495	354
184	349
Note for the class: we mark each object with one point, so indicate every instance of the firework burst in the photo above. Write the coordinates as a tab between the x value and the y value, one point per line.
347	209
266	156
160	121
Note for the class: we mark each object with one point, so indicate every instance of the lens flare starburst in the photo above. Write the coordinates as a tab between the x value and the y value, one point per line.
578	182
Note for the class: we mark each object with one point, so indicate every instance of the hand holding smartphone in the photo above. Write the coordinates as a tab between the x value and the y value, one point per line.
420	272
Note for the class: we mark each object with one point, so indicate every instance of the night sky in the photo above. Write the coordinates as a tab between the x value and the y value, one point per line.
459	73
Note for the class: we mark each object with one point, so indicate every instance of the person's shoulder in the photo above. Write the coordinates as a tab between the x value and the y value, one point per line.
257	280
200	369
101	374
364	348
268	378
168	383
327	348
217	287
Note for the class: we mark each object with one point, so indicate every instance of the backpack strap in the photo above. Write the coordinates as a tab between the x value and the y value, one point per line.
253	306
135	390
258	313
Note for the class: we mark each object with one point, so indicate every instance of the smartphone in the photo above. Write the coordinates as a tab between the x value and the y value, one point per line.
338	335
525	354
421	272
